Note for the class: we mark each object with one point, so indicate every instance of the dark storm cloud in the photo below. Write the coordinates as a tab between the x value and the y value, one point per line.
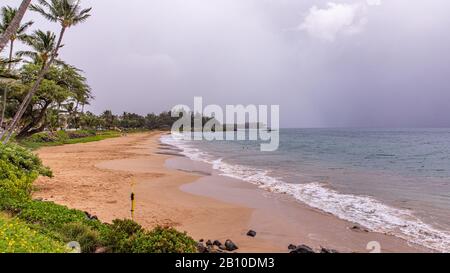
327	63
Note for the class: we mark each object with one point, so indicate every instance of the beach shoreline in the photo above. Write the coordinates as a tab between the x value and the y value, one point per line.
176	191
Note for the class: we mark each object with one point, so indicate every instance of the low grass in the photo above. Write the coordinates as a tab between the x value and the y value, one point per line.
34	142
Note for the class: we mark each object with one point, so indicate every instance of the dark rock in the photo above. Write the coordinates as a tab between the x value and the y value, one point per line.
292	247
327	250
230	246
101	250
201	240
358	229
201	248
209	243
217	243
90	217
303	249
251	233
210	249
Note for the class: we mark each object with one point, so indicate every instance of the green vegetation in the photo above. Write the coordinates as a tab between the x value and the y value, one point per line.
17	237
38	226
18	169
46	139
126	236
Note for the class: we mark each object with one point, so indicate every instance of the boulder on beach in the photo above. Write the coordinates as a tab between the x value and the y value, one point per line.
328	250
201	248
358	229
303	249
292	247
251	233
217	243
230	246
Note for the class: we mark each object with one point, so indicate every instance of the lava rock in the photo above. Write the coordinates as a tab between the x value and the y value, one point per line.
90	217
209	243
201	248
217	243
292	247
327	250
358	229
230	246
303	249
201	240
251	233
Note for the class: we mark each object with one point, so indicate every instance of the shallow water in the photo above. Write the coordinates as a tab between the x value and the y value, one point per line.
393	181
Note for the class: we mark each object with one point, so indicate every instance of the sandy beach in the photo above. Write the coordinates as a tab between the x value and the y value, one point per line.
98	177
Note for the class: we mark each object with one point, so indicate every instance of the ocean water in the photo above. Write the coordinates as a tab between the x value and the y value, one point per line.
394	181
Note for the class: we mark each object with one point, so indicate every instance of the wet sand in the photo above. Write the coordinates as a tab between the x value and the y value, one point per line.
172	190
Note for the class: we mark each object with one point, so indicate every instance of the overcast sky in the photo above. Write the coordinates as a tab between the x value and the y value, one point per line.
335	63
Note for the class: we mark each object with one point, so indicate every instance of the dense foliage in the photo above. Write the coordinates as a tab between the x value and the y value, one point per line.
38	226
18	169
126	236
17	237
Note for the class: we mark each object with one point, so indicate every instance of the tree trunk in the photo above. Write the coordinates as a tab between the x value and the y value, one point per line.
11	51
2	118
28	129
33	90
15	24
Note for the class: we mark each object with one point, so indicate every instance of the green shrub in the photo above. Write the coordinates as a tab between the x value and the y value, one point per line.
118	237
18	170
163	240
43	137
88	238
49	214
126	236
18	237
81	134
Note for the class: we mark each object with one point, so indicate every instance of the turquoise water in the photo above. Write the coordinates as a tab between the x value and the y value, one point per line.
395	181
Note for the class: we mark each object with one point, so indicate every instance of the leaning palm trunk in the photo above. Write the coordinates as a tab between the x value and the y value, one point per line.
2	118
33	90
11	51
15	24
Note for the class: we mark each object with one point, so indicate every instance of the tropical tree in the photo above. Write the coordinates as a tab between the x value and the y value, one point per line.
109	120
67	13
7	16
53	105
14	24
42	45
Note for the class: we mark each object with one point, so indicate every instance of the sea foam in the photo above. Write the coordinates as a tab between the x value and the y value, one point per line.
363	210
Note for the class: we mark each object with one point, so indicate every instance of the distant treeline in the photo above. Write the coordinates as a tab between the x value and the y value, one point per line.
127	121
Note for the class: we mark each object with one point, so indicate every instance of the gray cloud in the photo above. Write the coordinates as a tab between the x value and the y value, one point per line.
149	55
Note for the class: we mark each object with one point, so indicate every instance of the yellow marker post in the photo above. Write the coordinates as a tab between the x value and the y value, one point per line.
132	197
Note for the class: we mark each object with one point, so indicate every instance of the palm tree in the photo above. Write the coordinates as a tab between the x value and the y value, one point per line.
42	44
15	24
8	14
67	13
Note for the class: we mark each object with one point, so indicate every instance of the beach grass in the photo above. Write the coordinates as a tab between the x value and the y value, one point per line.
34	143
